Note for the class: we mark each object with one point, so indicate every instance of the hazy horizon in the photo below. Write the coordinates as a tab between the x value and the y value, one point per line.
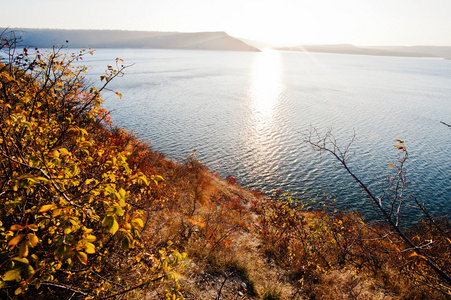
282	22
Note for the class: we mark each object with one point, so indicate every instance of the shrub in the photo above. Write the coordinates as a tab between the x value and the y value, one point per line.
67	215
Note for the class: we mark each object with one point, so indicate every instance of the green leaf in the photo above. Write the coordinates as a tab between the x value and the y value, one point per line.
106	221
125	243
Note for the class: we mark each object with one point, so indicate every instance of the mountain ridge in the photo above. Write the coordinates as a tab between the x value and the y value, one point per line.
88	38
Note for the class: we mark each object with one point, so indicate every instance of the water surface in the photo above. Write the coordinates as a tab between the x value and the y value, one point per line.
247	114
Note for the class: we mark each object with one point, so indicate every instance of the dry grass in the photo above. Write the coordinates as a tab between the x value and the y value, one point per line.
242	245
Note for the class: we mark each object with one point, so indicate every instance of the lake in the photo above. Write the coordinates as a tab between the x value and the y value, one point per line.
247	114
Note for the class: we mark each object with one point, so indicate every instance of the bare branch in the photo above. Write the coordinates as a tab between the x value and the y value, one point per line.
65	287
322	145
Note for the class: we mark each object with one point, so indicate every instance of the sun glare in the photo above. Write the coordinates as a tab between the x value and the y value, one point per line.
265	91
266	82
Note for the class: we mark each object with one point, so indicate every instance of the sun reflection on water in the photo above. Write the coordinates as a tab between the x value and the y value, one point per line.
266	83
263	134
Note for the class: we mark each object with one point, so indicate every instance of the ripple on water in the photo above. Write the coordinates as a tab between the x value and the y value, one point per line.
247	116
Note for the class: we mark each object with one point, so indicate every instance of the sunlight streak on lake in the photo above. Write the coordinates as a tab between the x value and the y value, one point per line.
266	87
265	93
266	83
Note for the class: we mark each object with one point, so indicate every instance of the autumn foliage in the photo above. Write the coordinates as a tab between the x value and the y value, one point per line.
68	203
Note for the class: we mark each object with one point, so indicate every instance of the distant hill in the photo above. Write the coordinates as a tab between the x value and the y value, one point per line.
416	51
44	38
438	51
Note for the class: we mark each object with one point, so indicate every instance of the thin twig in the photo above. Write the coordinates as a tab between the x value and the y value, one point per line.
435	288
223	283
64	286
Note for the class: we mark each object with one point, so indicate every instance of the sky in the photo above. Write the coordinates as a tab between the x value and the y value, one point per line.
283	22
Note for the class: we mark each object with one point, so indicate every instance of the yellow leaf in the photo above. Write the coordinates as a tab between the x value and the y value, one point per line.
389	166
15	240
90	248
46	208
82	257
12	275
138	222
33	227
17	227
122	202
54	153
90	238
18	291
64	151
22	260
89	180
23	251
114	226
56	212
119	94
122	193
421	256
33	239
